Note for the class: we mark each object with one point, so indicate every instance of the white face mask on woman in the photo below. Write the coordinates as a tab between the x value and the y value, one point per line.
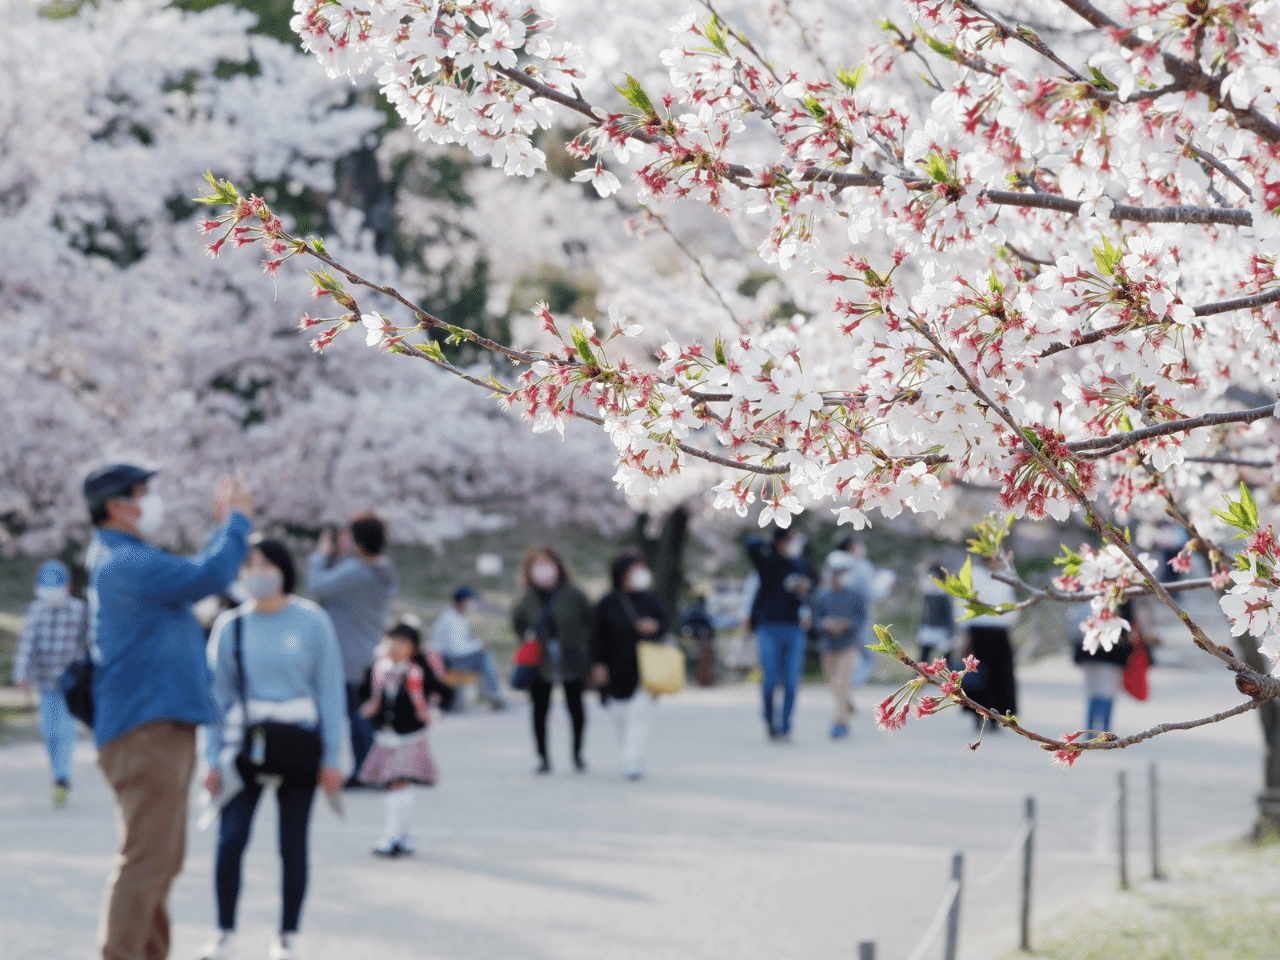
544	575
640	578
152	516
53	594
262	584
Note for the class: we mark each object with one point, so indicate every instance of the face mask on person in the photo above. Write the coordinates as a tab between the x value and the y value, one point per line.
261	584
793	548
544	575
640	578
52	594
152	516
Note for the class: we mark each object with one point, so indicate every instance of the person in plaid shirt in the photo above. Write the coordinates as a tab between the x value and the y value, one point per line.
51	638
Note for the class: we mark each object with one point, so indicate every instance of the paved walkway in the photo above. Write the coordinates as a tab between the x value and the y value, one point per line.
731	849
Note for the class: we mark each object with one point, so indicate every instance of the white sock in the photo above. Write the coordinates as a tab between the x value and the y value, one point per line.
407	798
391	818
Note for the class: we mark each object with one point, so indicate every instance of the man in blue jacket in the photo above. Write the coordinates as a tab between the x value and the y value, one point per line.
151	687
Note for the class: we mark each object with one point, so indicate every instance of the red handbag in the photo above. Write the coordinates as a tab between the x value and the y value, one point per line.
528	654
1135	671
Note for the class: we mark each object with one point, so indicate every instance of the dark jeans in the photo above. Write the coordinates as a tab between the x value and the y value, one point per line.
361	728
541	693
294	797
781	662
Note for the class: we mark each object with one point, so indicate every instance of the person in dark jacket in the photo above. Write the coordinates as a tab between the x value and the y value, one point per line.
1103	669
629	615
400	681
785	581
556	614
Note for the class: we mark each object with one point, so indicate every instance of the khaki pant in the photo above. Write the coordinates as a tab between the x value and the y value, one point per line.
149	768
838	666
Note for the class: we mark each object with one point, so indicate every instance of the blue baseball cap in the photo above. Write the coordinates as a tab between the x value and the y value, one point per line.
53	573
463	593
113	481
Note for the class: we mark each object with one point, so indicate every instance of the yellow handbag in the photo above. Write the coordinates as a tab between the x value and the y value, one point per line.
661	667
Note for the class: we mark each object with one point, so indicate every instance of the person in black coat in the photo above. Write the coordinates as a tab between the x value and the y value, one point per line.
629	615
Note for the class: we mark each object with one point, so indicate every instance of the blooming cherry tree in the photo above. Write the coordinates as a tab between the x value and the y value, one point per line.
1046	233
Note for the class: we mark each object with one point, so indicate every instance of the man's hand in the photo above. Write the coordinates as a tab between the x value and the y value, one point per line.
330	779
598	678
325	545
647	626
241	498
213	781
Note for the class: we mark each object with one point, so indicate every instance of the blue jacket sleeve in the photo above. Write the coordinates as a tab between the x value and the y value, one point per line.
330	690
184	580
222	667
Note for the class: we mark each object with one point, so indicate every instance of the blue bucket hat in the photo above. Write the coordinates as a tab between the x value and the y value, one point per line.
113	480
53	573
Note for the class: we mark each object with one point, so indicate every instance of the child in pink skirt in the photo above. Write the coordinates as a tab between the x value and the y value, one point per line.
399	682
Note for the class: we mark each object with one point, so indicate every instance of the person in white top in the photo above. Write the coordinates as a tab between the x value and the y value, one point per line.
451	637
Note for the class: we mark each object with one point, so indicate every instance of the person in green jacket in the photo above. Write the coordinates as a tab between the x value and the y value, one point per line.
558	615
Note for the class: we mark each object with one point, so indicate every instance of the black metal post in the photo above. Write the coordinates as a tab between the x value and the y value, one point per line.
867	950
1122	833
1155	822
953	914
1027	849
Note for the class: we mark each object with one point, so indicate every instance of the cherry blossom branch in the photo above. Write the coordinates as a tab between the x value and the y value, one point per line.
1188	76
1067	748
1105	446
1233	462
1107	531
1052	593
751	178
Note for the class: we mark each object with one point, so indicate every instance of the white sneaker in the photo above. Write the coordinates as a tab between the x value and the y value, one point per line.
405	845
282	948
220	947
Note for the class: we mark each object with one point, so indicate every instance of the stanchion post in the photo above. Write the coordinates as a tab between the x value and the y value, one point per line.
1155	822
953	915
1122	832
867	950
1027	849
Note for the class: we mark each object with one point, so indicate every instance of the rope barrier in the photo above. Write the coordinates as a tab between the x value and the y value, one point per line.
930	935
1009	857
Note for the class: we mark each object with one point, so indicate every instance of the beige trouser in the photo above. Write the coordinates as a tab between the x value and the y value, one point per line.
149	768
838	666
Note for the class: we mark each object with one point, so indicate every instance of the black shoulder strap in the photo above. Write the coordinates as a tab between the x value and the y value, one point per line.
239	655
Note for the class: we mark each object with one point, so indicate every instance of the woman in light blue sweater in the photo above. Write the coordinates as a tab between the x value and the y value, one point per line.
292	674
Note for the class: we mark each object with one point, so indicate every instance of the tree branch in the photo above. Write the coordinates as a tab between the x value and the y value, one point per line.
1118	441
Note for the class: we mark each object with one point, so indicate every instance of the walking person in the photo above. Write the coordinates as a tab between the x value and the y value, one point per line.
786	580
151	687
874	584
275	660
351	578
1104	669
399	683
839	614
557	615
937	618
53	632
460	649
987	638
627	616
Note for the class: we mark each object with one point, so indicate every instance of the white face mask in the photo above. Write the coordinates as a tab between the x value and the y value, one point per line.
152	516
261	584
52	594
544	575
640	578
793	548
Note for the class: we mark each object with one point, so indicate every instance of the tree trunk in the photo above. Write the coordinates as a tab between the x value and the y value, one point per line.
665	556
1269	715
